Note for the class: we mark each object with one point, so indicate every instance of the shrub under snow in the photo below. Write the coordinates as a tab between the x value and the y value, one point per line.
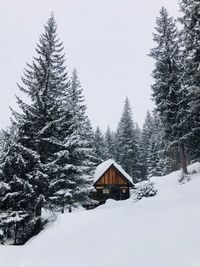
144	189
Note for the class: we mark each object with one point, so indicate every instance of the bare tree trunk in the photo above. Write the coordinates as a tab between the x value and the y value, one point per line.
183	159
15	233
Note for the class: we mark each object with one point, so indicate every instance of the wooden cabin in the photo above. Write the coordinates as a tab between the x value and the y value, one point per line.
111	181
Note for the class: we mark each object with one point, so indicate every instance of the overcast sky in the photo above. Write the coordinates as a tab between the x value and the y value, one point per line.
106	40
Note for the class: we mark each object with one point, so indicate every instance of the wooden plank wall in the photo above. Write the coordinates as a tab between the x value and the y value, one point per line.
112	176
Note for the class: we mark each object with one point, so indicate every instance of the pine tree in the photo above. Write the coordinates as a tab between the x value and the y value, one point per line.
167	93
99	146
46	121
161	158
145	143
24	165
191	75
40	154
156	154
127	148
18	201
76	161
110	144
153	159
138	137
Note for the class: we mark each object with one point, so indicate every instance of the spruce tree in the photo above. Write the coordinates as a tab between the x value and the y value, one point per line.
160	157
24	165
47	122
168	96
38	163
76	160
127	146
144	144
158	160
190	38
110	144
99	146
18	192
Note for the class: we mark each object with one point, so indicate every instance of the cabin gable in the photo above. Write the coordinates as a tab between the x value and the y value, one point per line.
112	177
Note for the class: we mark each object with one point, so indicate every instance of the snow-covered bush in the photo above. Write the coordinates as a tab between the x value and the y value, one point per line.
184	178
90	204
144	189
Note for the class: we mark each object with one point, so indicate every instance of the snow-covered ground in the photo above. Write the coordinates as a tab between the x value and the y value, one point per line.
162	231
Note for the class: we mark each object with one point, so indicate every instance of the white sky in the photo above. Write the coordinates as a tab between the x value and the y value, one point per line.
106	40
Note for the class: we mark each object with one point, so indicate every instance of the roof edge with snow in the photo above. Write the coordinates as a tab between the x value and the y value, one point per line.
103	167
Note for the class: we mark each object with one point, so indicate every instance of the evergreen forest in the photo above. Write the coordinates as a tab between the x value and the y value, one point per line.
49	152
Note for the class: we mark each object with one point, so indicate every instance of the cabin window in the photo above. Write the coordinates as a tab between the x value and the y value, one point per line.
106	191
124	190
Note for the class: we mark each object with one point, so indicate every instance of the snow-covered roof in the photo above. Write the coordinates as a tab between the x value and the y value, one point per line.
103	167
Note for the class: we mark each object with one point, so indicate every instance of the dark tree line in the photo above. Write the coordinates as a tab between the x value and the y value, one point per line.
176	82
170	138
142	153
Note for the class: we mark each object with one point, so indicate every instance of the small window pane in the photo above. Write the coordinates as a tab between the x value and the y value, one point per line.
106	191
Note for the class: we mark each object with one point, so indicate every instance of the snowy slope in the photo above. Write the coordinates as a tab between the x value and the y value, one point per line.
162	231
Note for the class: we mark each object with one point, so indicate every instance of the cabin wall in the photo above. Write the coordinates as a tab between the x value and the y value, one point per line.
112	177
111	185
113	193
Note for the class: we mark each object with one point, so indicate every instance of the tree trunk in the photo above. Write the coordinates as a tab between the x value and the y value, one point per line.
15	233
183	159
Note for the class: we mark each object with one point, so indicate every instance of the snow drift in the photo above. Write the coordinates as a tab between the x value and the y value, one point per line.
154	232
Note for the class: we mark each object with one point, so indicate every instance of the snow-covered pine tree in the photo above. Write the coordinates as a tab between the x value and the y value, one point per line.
2	143
110	144
138	137
167	93
156	158
18	197
144	144
31	162
127	146
76	162
190	38
46	83
76	99
161	157
99	146
88	134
